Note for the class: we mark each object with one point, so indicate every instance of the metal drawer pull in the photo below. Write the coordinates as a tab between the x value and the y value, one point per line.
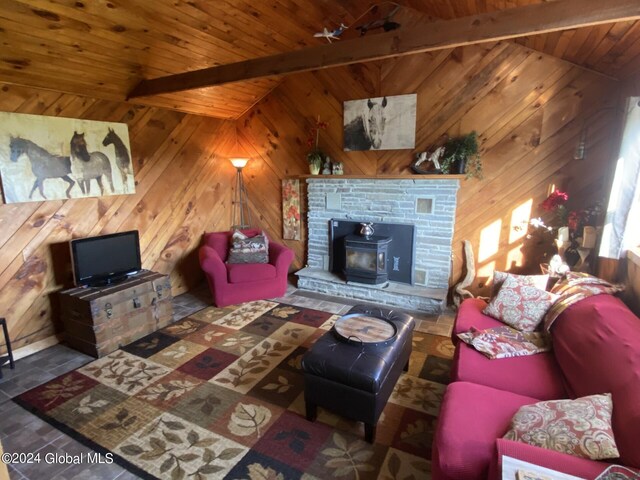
109	309
136	303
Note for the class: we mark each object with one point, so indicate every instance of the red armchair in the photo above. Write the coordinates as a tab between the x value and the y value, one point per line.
243	282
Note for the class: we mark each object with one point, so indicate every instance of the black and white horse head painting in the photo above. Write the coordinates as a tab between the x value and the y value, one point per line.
382	123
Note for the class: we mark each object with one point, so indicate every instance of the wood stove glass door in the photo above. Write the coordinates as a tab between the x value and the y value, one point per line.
361	260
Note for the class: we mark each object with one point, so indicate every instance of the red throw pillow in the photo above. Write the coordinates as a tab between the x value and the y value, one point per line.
580	427
248	249
538	281
520	305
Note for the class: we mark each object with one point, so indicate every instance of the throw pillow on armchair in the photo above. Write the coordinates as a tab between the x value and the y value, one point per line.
245	249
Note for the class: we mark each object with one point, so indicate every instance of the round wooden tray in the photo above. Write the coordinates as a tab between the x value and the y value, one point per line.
363	329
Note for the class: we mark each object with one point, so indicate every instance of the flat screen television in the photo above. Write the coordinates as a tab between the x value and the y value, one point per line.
105	259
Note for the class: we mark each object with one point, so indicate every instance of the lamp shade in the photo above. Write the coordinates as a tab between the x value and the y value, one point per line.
239	162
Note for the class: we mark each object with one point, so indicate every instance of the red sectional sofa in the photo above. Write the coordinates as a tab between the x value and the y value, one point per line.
596	350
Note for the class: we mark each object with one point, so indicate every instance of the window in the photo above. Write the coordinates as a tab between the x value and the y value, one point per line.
622	222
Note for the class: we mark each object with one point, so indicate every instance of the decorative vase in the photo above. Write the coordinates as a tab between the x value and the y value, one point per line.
314	168
366	229
337	168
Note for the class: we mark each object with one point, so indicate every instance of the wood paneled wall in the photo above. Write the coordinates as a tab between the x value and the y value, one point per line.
528	109
183	182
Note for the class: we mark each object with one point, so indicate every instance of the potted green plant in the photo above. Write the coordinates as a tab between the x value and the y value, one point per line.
315	157
461	156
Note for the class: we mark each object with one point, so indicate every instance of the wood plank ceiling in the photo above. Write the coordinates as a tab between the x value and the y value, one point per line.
103	48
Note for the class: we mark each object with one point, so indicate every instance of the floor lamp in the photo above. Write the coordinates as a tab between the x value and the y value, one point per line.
240	199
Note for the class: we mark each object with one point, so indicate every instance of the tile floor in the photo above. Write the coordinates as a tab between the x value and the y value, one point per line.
20	431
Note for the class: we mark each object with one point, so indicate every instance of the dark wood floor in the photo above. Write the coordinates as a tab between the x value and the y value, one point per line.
20	431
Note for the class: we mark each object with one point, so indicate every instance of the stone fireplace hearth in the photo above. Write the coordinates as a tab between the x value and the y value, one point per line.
428	203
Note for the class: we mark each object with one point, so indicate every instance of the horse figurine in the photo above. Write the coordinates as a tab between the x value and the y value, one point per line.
123	161
44	165
366	130
90	166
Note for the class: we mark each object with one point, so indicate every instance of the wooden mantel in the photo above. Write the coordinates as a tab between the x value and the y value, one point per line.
381	177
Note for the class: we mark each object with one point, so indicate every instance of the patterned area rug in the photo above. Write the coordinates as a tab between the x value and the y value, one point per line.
219	394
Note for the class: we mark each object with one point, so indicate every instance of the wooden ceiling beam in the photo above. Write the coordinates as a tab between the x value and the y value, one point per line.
489	27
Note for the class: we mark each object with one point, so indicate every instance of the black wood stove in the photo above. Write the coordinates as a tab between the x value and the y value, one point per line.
366	258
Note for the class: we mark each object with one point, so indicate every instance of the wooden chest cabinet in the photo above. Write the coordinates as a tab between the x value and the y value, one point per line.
98	321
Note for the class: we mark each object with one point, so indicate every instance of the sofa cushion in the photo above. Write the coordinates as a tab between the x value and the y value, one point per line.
597	345
246	249
470	315
538	281
471	418
536	376
580	427
250	272
519	304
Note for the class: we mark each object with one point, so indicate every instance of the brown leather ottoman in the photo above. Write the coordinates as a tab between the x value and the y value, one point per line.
355	380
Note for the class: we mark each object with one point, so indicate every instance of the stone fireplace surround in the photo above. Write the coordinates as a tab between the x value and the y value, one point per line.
428	202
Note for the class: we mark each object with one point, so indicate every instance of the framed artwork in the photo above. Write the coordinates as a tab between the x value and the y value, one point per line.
53	158
382	123
291	209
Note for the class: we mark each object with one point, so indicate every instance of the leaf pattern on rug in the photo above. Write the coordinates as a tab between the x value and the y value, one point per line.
296	362
183	327
284	312
403	466
124	372
258	472
295	439
64	389
240	344
418	394
247	419
282	386
328	325
253	365
445	348
178	449
150	345
211	335
123	420
87	407
293	332
245	314
176	352
416	434
207	404
348	458
168	391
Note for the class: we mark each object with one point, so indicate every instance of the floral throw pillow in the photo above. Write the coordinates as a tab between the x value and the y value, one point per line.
580	427
519	304
538	281
248	249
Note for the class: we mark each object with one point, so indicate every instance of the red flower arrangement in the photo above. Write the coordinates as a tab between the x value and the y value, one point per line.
314	133
575	219
315	157
555	200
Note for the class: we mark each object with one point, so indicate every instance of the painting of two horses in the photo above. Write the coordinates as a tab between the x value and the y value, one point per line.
382	123
53	158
